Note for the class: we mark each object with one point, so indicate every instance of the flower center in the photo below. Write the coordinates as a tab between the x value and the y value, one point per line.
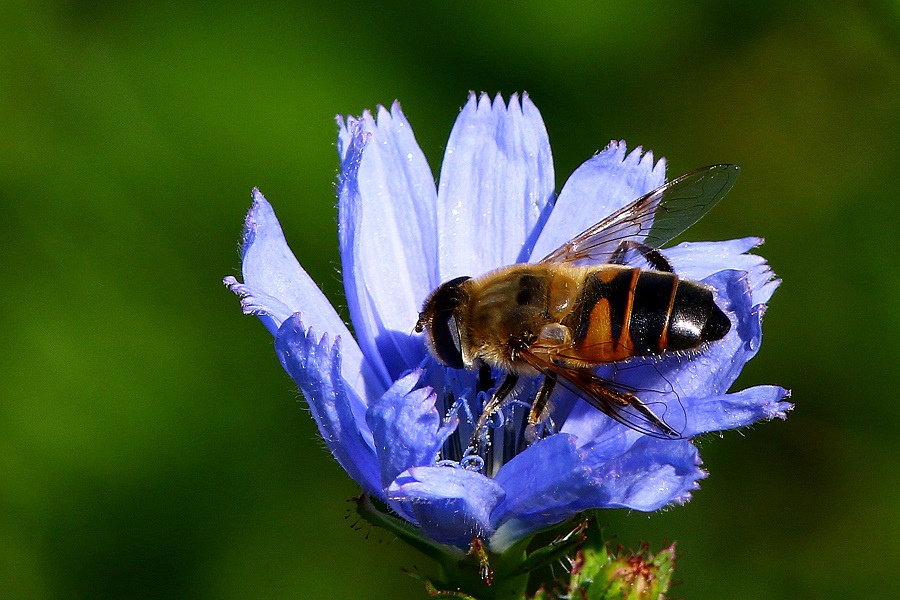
506	431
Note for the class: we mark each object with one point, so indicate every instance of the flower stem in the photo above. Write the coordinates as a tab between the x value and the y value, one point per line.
487	575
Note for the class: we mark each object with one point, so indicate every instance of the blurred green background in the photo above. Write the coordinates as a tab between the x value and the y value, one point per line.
152	447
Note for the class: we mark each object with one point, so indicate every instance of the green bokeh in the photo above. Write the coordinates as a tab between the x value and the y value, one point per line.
151	446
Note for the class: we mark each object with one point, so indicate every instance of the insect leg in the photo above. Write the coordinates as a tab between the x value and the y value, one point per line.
653	256
540	408
497	401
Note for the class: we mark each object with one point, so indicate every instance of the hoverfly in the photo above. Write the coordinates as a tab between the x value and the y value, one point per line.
582	306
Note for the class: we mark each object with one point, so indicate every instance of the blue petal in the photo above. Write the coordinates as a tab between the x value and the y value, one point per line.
699	260
276	286
588	425
731	411
496	181
541	484
603	184
649	475
408	431
452	505
388	235
554	480
315	365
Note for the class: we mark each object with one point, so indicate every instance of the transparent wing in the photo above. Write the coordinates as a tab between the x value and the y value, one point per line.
653	219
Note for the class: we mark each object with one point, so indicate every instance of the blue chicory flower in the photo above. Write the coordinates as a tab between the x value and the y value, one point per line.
397	421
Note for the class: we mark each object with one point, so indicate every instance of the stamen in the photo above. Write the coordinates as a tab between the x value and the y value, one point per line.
452	450
471	461
510	435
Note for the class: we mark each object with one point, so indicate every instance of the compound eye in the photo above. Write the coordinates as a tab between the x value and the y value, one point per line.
445	335
444	326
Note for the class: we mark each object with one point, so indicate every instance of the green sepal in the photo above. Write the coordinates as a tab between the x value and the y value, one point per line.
487	575
377	514
556	550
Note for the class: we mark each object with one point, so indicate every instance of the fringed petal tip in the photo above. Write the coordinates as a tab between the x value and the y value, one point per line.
482	101
253	303
737	410
618	151
497	162
780	407
602	185
392	117
298	344
271	311
260	214
358	130
687	494
354	133
689	485
352	138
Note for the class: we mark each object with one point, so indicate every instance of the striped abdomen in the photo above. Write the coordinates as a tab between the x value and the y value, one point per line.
624	312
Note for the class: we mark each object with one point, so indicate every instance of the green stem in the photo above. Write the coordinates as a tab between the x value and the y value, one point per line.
486	575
